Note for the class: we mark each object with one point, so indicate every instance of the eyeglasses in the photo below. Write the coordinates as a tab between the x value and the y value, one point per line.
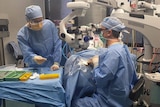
36	21
100	29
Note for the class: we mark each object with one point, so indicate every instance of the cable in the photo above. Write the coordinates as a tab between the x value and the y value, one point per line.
66	50
146	62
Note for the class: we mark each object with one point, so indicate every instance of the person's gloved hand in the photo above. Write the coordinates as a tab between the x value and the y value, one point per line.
94	61
55	66
39	59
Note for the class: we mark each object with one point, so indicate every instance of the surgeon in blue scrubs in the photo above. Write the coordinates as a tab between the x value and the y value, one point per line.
114	70
39	40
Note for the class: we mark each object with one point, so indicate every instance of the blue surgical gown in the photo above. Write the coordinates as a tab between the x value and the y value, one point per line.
44	42
114	79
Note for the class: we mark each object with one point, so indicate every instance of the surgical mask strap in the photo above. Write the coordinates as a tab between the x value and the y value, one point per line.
120	35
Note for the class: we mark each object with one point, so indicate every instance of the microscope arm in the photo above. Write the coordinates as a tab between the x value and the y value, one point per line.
148	25
69	38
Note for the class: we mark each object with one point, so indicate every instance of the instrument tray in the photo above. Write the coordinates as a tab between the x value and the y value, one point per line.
3	74
14	76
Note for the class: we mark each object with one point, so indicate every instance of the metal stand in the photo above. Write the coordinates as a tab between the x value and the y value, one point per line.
2	57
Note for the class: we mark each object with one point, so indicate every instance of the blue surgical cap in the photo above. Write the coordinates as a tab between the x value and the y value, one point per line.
33	12
113	23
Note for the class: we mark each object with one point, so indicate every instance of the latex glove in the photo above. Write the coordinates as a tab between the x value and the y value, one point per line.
39	59
55	66
94	61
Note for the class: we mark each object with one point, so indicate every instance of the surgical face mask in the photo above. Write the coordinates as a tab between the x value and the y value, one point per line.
106	39
36	26
102	38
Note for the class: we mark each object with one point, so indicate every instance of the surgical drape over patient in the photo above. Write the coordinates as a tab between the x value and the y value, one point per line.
78	77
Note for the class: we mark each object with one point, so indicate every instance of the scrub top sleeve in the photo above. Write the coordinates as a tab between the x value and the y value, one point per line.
27	51
108	66
57	54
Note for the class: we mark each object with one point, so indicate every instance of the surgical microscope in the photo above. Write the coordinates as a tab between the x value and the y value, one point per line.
77	37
